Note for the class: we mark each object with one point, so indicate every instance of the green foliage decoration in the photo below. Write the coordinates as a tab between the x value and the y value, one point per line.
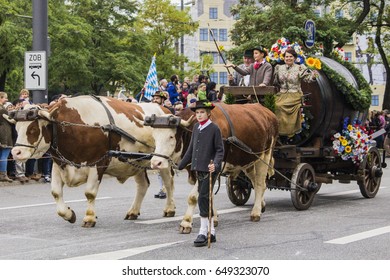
269	102
230	99
359	99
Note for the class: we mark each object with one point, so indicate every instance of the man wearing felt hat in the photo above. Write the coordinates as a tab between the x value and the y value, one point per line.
205	153
260	71
237	79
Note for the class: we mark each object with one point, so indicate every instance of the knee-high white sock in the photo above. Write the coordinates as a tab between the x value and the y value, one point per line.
203	225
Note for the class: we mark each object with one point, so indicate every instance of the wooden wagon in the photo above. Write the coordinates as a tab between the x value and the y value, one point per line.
311	161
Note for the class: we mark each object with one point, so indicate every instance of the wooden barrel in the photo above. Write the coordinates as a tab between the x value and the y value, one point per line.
328	107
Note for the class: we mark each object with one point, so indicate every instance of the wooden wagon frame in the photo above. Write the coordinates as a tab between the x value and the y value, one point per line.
302	169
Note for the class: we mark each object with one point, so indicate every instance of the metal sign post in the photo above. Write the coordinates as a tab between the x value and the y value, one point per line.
40	44
35	71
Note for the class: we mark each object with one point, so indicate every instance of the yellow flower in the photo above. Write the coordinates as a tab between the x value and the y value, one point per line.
344	142
348	149
317	64
350	127
341	138
310	62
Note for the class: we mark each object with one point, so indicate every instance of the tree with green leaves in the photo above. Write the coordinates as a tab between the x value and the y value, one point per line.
94	46
15	39
164	25
264	21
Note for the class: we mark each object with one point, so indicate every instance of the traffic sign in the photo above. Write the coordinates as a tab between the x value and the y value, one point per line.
311	31
35	70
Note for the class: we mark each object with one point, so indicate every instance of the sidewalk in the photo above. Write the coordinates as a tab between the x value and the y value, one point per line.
17	183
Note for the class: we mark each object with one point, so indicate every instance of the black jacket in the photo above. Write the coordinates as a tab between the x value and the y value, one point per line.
205	145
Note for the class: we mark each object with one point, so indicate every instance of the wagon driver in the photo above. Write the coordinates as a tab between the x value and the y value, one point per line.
260	71
206	145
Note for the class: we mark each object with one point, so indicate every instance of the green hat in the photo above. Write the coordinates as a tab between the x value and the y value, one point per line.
161	94
248	53
203	104
261	49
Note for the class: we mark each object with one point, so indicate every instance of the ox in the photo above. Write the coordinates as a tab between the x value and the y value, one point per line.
79	132
249	131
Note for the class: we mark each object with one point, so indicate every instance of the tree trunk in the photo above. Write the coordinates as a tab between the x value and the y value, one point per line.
386	97
3	78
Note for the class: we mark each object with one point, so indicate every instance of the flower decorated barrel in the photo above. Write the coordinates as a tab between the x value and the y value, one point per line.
326	106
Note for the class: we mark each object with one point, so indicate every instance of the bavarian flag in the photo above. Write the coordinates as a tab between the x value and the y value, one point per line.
151	84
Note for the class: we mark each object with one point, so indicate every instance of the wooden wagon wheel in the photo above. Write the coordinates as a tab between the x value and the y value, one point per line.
303	186
239	189
370	173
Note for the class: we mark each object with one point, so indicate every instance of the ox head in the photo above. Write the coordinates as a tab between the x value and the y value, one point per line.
33	134
166	133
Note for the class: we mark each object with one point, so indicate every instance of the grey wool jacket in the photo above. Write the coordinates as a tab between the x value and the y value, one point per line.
263	75
205	145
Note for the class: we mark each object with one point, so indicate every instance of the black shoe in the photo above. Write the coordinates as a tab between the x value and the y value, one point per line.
201	240
160	194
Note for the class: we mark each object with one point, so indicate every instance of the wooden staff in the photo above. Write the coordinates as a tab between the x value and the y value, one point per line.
210	205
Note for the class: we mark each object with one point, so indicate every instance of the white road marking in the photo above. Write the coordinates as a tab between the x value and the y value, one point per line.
360	236
170	219
120	254
49	203
344	193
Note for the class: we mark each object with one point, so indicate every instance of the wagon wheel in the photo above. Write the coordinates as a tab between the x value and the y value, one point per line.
239	189
303	186
370	173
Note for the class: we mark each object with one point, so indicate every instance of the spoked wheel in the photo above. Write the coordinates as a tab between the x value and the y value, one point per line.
303	186
370	173
239	189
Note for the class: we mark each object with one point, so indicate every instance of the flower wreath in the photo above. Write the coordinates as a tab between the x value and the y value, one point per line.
352	142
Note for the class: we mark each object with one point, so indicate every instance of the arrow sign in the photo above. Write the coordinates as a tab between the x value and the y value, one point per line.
33	75
35	70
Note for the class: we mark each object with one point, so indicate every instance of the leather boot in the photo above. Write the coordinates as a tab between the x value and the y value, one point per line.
4	177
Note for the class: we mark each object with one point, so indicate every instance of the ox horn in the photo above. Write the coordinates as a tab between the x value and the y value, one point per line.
186	123
9	118
45	114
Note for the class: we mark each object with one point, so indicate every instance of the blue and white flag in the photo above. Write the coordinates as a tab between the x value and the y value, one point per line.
151	84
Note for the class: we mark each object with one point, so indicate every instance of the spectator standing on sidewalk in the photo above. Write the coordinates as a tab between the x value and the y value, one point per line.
5	139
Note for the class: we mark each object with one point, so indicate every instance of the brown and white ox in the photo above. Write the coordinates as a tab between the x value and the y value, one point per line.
71	131
252	124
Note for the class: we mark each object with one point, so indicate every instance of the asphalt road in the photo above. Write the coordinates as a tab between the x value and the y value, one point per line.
340	225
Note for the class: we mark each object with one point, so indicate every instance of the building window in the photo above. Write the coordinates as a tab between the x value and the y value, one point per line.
203	34
215	58
339	14
213	13
215	33
348	56
374	100
223	34
223	78
214	77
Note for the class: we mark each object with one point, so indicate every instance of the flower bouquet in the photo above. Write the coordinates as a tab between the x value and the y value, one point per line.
352	142
313	64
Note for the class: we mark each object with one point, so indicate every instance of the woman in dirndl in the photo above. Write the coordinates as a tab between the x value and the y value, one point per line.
287	78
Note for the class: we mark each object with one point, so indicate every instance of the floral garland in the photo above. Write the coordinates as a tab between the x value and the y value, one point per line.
360	100
277	51
352	142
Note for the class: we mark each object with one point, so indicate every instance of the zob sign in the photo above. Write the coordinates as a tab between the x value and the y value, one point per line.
35	70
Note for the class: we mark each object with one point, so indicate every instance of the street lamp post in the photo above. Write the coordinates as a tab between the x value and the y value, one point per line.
40	41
